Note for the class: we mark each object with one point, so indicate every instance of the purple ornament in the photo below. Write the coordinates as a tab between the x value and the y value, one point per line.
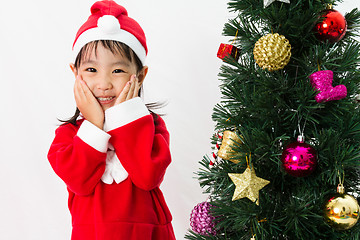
201	221
299	159
322	82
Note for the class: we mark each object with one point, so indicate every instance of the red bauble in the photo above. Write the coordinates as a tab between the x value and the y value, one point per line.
332	27
299	159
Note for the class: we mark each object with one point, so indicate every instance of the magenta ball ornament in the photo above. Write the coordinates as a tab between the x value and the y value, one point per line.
201	221
299	159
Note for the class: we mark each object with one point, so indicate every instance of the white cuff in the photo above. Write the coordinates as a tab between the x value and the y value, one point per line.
124	113
94	136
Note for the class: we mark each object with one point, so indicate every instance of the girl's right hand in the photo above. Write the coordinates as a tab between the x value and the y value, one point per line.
89	107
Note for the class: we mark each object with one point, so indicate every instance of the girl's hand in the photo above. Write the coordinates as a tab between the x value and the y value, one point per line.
130	90
89	107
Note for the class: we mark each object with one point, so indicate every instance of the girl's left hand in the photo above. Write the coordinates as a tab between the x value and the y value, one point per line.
130	90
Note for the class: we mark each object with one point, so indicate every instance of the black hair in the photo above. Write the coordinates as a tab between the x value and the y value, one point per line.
115	47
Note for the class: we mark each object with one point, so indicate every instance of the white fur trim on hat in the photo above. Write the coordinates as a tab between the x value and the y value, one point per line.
109	29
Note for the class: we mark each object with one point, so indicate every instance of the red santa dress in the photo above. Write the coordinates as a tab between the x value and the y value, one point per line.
113	175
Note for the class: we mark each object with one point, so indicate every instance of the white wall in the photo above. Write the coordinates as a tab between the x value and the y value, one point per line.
36	88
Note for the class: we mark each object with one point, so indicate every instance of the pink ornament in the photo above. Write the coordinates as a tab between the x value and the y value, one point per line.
201	221
322	82
299	159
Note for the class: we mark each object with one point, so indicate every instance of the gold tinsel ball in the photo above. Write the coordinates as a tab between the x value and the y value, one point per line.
341	211
272	52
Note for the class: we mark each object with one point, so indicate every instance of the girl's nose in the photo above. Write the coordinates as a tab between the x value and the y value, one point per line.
104	83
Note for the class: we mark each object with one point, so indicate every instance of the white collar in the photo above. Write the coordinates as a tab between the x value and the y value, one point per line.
114	171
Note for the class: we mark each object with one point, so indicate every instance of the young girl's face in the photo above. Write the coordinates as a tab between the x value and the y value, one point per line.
106	74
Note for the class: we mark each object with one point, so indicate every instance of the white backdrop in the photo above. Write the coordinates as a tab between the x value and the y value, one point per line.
36	88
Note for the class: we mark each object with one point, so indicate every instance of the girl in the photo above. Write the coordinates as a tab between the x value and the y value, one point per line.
114	158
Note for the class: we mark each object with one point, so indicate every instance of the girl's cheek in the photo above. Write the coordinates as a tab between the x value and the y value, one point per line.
89	78
91	87
120	83
87	75
89	83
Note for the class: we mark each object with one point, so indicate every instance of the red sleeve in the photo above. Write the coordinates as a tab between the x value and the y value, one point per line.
143	150
77	163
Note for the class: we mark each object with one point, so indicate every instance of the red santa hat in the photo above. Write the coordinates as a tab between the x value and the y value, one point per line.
110	21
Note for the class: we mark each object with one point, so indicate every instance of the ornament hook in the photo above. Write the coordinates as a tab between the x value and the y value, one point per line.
301	137
340	187
247	160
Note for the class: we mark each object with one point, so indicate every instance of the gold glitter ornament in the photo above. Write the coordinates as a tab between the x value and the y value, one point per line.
247	185
341	211
272	52
225	152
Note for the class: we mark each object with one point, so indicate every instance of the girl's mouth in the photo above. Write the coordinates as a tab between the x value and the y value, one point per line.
105	100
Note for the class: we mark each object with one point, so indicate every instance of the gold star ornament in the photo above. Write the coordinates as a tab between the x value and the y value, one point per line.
247	185
268	2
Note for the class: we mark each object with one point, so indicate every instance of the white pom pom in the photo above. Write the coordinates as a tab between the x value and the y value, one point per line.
108	24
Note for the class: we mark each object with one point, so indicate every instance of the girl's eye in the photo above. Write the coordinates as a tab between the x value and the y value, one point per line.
118	71
90	70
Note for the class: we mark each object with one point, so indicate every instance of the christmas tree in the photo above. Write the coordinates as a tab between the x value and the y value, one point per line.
287	137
